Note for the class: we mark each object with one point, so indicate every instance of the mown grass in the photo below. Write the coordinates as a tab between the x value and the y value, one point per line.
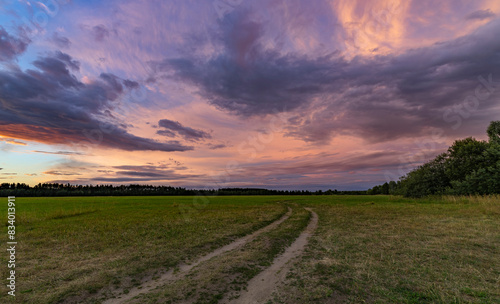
228	274
366	249
383	249
74	249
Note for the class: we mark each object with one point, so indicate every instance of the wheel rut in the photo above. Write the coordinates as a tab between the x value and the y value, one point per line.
183	269
261	287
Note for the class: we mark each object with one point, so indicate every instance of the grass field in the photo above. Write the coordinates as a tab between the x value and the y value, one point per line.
366	249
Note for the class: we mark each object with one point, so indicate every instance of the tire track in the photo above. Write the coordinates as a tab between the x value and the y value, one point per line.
261	287
182	269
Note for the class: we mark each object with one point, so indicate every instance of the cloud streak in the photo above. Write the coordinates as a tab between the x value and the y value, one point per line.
172	128
131	173
60	41
50	105
59	152
480	14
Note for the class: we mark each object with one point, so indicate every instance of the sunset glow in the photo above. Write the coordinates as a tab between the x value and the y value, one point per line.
274	94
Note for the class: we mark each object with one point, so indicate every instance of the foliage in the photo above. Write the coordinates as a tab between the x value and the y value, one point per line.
429	179
468	167
494	132
463	157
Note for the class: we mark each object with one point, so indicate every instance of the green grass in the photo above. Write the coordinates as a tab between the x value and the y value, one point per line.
73	248
230	272
366	249
383	249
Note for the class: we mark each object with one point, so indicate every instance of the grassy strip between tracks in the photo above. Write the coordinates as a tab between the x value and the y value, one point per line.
230	272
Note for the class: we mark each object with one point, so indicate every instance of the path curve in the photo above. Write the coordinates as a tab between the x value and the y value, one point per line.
261	287
183	268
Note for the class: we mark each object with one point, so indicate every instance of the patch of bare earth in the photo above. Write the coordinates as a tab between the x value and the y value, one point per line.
261	287
122	296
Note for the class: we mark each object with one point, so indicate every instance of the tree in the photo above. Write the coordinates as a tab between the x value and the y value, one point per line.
428	179
494	132
469	166
485	179
464	157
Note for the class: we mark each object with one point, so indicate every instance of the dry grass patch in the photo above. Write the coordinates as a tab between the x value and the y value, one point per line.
400	251
229	273
74	250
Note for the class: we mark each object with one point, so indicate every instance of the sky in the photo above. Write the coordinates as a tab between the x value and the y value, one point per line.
276	94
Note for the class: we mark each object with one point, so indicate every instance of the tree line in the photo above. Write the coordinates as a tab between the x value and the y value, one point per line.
57	189
468	167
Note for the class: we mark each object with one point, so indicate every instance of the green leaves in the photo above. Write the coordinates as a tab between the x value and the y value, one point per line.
468	167
494	132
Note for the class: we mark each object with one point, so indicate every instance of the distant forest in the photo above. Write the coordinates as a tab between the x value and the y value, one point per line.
469	167
55	189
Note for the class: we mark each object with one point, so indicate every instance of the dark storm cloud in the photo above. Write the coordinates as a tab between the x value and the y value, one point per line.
378	98
173	128
60	41
11	46
248	80
480	14
51	105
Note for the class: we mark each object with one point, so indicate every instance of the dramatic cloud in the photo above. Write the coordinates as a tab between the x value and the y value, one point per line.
481	14
248	80
11	46
332	95
173	128
50	105
300	94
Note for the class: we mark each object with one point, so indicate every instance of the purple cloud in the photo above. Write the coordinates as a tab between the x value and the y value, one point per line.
60	41
332	95
100	33
480	15
50	105
11	46
173	128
